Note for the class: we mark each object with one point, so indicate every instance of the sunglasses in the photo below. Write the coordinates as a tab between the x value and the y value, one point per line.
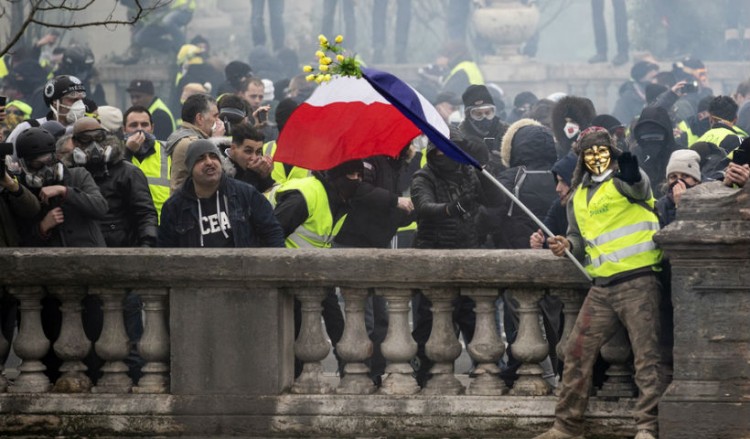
15	112
87	137
483	112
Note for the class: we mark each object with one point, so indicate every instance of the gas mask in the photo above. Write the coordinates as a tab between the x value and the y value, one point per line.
42	171
597	159
571	130
92	154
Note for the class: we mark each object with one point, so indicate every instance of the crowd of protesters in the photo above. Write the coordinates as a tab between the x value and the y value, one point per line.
197	169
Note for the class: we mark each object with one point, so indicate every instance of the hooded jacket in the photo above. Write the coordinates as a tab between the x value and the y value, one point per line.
485	152
581	110
177	145
15	207
250	216
652	157
528	150
630	103
233	170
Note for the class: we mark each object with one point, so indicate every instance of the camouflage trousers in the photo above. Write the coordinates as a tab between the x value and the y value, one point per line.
635	303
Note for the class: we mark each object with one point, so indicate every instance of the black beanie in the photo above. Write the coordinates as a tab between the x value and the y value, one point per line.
477	95
641	69
284	110
345	168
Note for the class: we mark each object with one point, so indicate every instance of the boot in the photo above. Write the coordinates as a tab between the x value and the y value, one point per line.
598	58
620	59
553	433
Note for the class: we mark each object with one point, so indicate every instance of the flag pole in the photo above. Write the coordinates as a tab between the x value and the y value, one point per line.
531	215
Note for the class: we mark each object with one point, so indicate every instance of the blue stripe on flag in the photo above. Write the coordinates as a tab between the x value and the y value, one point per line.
405	99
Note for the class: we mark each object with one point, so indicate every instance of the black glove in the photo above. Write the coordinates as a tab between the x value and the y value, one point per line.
461	206
629	171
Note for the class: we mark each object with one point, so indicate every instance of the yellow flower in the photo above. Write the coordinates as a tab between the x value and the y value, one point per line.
328	77
310	78
326	60
323	68
323	40
339	39
340	58
320	54
307	69
319	79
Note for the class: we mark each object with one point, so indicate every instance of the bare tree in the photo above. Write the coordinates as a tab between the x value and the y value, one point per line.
68	14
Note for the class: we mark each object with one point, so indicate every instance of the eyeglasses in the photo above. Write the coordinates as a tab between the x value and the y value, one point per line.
86	137
483	112
15	112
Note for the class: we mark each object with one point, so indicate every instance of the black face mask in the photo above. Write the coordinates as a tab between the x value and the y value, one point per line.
444	164
346	187
483	126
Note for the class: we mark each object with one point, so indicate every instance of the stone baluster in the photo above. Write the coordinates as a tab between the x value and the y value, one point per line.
154	344
311	346
30	345
619	382
529	347
71	346
443	347
112	345
355	345
486	346
572	301
398	347
4	351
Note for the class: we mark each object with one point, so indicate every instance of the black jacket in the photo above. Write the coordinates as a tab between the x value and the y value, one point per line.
82	206
654	159
486	152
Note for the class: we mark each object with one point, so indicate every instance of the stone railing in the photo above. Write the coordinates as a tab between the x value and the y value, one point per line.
218	344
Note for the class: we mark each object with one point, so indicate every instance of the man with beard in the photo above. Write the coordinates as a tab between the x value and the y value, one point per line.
633	93
722	114
611	227
482	129
655	144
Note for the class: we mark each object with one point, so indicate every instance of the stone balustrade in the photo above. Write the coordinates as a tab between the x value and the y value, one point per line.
218	340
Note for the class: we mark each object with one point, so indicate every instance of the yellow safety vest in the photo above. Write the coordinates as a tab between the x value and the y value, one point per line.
472	71
318	230
157	168
685	128
3	67
717	135
618	233
278	174
158	104
190	4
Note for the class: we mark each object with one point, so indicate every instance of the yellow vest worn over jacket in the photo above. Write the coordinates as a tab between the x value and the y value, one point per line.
278	174
158	104
472	72
318	230
618	233
717	135
157	167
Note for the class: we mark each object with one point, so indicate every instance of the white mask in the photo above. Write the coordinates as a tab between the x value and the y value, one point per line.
571	130
76	111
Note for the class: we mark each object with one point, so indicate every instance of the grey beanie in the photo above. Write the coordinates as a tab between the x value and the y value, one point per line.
685	161
196	149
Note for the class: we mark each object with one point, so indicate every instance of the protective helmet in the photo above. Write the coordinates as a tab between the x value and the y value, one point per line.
59	86
34	142
77	60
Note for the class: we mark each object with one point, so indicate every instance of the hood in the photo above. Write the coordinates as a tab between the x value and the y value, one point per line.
654	116
528	143
577	108
565	168
186	130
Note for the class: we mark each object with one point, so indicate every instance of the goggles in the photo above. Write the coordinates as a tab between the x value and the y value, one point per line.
483	112
86	137
15	112
38	163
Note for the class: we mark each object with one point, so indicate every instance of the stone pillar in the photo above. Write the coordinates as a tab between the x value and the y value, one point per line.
4	351
486	346
72	345
616	352
443	347
112	345
507	24
572	301
709	249
154	344
311	346
30	345
398	347
530	347
355	345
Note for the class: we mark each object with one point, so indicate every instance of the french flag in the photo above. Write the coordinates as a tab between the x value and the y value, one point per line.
350	118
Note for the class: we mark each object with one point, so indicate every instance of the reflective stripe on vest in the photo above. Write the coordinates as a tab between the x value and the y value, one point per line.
618	233
158	104
278	174
685	128
318	230
717	135
156	167
472	71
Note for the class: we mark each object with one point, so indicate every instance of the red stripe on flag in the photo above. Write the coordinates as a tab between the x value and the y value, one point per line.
320	137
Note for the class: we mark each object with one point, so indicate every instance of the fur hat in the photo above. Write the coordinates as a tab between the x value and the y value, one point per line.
685	161
196	149
593	136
